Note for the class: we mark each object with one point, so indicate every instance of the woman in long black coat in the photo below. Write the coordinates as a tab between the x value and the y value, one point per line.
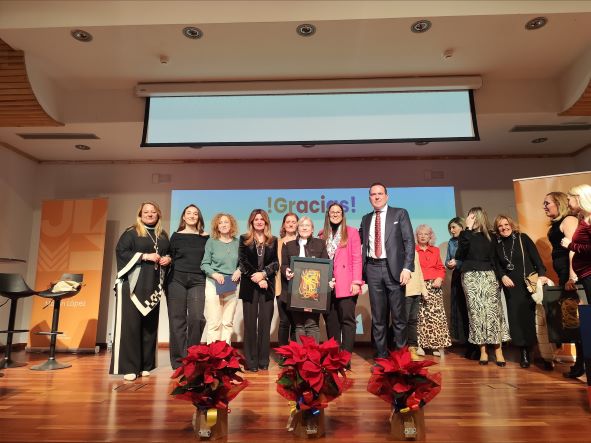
515	257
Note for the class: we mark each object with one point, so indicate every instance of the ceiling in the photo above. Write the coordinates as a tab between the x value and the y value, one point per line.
528	77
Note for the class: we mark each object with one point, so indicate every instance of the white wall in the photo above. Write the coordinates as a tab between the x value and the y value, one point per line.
487	183
18	188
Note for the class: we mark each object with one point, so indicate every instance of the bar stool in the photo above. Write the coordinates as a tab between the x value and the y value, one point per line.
13	287
57	298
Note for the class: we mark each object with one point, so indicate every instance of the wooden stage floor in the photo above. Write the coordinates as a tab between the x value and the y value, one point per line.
477	404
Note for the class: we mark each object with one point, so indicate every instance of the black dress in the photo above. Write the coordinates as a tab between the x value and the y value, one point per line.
521	308
139	287
560	260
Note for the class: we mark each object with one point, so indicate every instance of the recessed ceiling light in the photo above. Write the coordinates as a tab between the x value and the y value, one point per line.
308	146
83	147
81	35
540	140
196	146
192	32
421	143
420	26
306	30
536	23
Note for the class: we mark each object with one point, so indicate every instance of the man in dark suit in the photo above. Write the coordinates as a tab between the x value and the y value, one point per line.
388	250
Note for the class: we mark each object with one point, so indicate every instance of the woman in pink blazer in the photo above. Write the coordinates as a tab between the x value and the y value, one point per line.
344	248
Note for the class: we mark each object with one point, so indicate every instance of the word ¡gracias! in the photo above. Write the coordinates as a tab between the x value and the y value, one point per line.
281	205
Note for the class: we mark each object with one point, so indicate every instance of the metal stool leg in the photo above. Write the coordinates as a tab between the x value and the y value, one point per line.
8	362
51	362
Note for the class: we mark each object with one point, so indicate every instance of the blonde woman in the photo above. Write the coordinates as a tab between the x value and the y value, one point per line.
579	201
220	265
415	288
257	258
483	296
433	330
142	255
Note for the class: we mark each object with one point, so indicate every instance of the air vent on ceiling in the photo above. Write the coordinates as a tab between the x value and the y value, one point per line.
547	128
58	136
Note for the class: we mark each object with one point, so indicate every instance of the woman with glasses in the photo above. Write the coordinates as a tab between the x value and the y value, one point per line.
306	323
343	246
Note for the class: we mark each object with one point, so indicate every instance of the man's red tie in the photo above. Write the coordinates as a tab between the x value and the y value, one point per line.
378	236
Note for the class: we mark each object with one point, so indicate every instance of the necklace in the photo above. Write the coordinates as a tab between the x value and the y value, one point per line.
510	266
154	240
260	247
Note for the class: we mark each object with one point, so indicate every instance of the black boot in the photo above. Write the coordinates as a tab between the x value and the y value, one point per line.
524	363
578	369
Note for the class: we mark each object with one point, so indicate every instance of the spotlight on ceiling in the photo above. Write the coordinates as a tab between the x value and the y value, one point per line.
540	140
82	147
421	143
306	30
308	146
81	35
536	23
192	32
420	26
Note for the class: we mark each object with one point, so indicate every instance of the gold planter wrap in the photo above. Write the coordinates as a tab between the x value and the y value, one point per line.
407	426
306	425
211	424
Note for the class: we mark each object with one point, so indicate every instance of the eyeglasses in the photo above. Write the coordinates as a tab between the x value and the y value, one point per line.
547	203
335	213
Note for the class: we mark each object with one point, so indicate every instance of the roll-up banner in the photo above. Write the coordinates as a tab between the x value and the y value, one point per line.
72	240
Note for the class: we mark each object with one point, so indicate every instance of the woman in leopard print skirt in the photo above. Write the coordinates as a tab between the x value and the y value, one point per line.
433	328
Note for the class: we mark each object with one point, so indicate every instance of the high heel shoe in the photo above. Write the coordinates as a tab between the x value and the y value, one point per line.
524	362
575	371
483	359
501	364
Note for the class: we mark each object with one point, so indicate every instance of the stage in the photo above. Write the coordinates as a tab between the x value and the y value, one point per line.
477	404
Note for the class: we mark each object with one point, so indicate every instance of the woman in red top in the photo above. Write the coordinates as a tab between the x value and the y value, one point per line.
433	328
579	200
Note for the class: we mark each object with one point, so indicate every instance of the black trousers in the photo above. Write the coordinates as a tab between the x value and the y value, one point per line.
340	321
286	329
186	302
388	302
134	348
460	326
412	314
257	313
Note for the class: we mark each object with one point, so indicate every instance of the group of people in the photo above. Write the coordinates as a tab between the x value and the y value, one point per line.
203	275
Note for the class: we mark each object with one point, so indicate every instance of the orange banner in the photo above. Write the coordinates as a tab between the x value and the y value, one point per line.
529	197
72	241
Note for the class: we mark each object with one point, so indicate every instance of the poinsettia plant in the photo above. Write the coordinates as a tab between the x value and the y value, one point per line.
405	384
209	375
312	375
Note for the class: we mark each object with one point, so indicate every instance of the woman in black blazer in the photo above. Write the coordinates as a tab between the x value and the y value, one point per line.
306	323
257	258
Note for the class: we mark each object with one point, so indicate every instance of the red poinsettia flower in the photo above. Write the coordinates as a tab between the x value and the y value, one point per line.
402	382
208	375
312	374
